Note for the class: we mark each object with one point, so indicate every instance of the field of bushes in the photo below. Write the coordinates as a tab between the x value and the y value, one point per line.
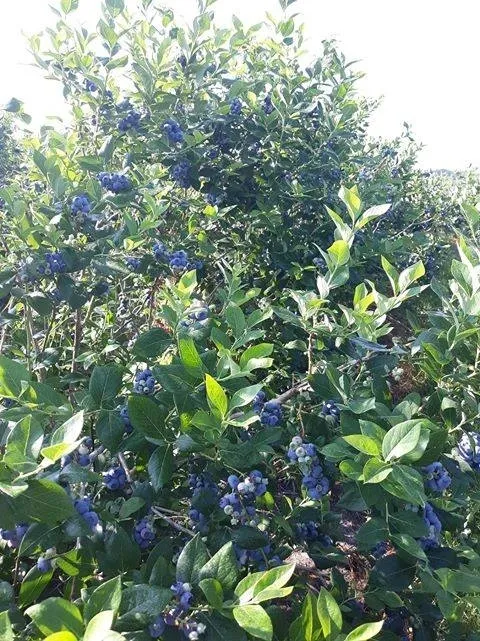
239	348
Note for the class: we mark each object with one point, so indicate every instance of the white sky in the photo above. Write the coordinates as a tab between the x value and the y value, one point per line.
421	55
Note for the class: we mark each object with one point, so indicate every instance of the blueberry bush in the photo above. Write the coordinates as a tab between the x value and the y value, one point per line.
233	406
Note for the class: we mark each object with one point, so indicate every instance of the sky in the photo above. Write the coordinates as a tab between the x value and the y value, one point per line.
421	56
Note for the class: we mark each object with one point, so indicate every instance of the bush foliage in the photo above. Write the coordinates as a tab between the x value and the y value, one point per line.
239	350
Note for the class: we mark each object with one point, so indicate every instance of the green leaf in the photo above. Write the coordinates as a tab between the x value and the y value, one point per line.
64	439
99	626
244	396
365	631
392	274
212	589
223	566
371	214
408	544
90	163
190	356
259	586
151	344
217	398
254	620
122	553
44	501
107	596
148	418
23	445
222	629
371	532
115	7
236	319
364	444
63	636
140	605
56	614
410	275
131	505
375	471
339	252
161	466
33	584
110	429
408	522
255	352
6	630
12	375
401	439
405	483
191	560
105	383
249	537
329	614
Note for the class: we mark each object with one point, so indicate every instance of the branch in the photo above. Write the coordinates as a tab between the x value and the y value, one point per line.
180	528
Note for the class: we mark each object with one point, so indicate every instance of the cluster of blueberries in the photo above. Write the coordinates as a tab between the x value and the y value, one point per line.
239	502
84	508
434	528
380	549
144	382
260	559
177	260
201	484
116	183
267	105
44	563
469	449
181	173
309	531
305	455
115	478
236	107
13	537
213	199
191	629
54	264
133	263
437	477
144	533
173	131
330	409
90	86
130	121
80	205
270	412
396	622
81	454
100	289
126	420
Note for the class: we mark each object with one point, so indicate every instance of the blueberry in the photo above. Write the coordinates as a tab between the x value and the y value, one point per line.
44	565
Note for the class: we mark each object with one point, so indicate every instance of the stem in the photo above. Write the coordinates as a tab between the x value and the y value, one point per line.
180	528
123	463
77	339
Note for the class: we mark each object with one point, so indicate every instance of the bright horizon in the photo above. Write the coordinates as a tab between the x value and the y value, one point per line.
421	56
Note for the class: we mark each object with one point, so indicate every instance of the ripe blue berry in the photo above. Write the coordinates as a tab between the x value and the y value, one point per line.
144	382
181	173
437	477
268	104
116	183
179	260
173	131
469	449
44	565
157	628
133	263
144	533
330	409
80	205
115	478
90	86
126	420
130	121
236	107
434	528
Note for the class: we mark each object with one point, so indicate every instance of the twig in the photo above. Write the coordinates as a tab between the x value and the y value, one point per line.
123	463
180	528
